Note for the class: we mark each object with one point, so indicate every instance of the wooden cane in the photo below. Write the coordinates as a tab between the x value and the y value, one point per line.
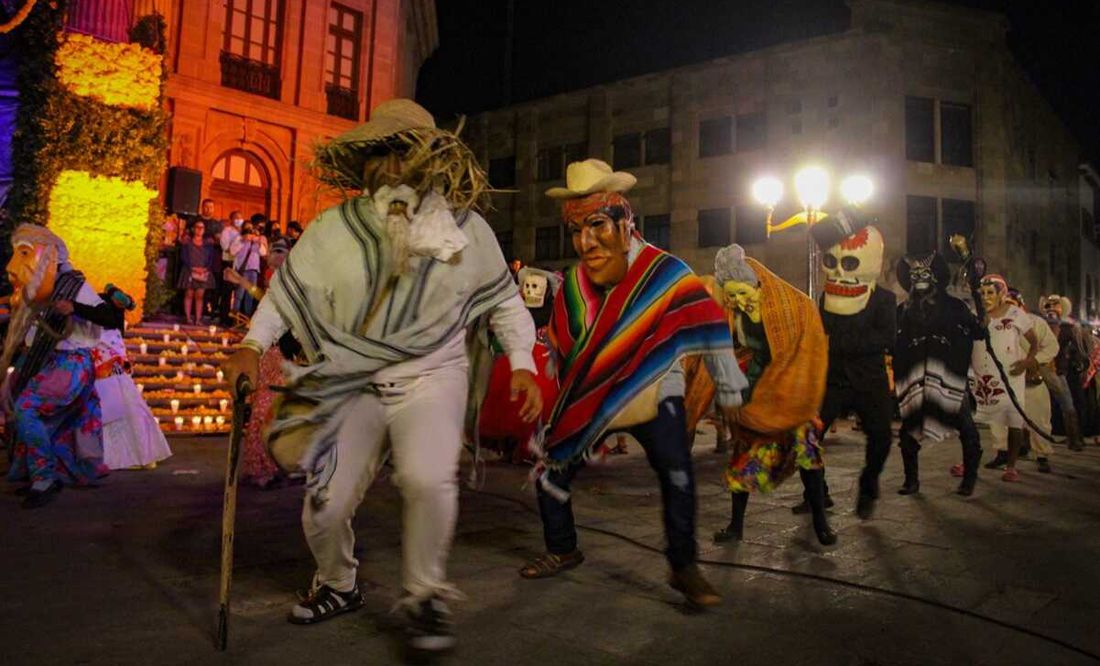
242	409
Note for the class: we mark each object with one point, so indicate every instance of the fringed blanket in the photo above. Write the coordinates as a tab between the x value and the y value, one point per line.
613	346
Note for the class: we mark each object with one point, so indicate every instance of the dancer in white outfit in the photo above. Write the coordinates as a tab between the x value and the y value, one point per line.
381	291
131	437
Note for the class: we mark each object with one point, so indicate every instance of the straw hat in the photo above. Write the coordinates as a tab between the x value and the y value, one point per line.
387	119
589	177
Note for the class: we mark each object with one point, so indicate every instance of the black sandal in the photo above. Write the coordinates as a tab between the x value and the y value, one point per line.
324	603
550	564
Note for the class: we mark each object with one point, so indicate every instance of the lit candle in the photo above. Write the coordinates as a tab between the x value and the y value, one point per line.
141	388
176	328
162	361
220	420
213	330
223	404
179	423
196	422
179	375
184	350
175	406
207	422
167	338
225	340
220	375
197	388
143	347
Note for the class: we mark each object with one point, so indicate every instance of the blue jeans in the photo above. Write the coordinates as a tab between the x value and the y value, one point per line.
246	305
669	454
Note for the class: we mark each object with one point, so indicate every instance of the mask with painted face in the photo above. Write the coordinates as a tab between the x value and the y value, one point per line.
600	226
1051	307
743	297
534	290
993	290
32	270
851	268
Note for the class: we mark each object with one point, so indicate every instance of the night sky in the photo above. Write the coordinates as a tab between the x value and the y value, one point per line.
569	44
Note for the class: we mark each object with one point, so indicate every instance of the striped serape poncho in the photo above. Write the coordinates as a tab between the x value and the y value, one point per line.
614	345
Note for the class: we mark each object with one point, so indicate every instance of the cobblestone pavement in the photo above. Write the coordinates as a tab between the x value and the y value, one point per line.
127	573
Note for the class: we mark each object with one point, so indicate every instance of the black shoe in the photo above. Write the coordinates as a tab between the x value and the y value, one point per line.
39	498
22	491
428	626
909	488
1044	465
825	535
999	461
804	507
865	506
966	488
730	533
323	603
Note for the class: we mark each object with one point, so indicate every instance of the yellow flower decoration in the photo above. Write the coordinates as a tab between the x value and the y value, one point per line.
116	74
104	222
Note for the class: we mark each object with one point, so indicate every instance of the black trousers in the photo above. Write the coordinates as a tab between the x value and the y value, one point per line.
667	450
874	407
968	436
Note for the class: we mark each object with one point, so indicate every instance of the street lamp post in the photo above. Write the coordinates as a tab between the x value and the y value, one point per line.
812	187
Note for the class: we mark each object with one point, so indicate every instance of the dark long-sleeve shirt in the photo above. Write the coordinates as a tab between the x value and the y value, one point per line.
859	343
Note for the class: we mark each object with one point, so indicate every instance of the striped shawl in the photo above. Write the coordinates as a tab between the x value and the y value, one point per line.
613	346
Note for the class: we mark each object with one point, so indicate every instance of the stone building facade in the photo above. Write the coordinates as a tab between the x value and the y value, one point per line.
925	98
253	84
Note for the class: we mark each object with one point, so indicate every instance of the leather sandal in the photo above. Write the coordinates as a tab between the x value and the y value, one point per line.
545	566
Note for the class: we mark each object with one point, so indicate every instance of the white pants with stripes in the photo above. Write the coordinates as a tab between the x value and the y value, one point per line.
421	422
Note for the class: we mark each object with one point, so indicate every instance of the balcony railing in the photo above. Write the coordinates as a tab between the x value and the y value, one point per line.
343	102
251	76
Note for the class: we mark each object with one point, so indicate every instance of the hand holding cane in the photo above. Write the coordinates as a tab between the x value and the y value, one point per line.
242	409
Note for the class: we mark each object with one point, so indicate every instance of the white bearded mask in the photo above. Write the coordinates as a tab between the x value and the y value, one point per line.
534	290
851	268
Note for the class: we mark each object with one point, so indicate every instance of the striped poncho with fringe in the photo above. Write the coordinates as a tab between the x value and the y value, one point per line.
614	345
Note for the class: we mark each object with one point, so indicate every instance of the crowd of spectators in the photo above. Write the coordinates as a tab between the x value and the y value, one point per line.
196	253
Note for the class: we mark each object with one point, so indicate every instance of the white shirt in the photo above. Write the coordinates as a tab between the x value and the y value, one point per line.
247	254
230	234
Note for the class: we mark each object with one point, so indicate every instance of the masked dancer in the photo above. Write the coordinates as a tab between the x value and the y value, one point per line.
625	317
380	292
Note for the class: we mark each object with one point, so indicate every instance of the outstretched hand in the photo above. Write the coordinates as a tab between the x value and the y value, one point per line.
523	381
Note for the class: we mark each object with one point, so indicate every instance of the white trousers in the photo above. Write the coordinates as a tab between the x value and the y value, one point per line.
421	420
1037	406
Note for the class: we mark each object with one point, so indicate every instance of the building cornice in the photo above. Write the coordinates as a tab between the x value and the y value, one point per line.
229	100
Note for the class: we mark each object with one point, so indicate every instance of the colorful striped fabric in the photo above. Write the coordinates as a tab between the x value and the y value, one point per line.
614	345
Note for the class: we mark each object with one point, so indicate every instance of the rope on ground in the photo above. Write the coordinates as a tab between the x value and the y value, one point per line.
871	589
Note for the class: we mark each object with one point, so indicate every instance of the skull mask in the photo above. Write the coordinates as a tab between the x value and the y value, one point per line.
851	268
534	290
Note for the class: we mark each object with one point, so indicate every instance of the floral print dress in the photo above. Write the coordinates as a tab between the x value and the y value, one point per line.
58	426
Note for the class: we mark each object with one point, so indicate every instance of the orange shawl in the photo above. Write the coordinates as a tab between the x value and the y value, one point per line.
789	392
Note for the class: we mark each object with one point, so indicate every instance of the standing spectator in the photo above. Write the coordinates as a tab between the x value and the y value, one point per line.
248	250
230	233
195	275
293	232
213	227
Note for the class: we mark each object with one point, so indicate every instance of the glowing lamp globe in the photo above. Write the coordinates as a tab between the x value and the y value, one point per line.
768	191
857	189
812	185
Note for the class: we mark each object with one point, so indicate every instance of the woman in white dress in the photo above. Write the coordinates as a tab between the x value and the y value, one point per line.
131	436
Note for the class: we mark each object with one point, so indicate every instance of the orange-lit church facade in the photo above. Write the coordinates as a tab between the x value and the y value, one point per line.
254	84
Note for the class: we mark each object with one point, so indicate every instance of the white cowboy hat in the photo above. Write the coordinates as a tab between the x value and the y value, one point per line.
389	118
589	177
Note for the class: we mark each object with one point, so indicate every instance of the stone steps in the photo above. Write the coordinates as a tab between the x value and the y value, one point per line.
176	368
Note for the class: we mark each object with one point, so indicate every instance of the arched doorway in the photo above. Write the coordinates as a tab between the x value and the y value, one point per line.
240	182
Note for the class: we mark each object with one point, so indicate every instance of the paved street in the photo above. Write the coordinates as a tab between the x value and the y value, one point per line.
127	573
